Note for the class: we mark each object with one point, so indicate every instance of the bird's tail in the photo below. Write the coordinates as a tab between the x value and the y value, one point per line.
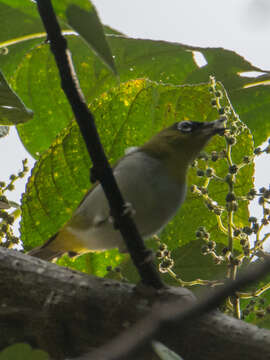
59	244
47	251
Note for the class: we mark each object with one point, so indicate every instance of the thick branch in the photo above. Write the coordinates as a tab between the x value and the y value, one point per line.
68	313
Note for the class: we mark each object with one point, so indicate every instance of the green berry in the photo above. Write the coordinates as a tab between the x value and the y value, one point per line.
255	228
210	206
162	247
257	151
246	159
237	232
236	262
247	230
233	169
167	263
205	249
230	197
217	211
214	156
244	242
202	228
265	222
204	191
230	140
266	194
200	173
211	245
221	111
209	172
199	234
252	191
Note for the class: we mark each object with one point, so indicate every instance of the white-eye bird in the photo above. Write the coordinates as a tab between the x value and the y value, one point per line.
152	178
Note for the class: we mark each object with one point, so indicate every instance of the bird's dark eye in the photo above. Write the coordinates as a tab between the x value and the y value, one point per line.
185	126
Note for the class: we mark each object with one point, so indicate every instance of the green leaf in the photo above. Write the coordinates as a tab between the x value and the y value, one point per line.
21	351
261	303
158	61
88	25
94	263
121	119
189	264
135	58
18	20
12	109
45	96
127	116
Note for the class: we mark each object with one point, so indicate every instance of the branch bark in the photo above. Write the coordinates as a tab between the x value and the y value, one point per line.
68	313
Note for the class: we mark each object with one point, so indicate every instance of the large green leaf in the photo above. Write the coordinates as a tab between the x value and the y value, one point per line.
27	65
26	71
127	116
12	109
159	61
19	20
52	111
173	63
88	25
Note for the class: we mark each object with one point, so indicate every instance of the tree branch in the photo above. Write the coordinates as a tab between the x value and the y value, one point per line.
101	167
68	313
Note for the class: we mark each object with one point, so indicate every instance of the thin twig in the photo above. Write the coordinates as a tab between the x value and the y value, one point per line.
101	167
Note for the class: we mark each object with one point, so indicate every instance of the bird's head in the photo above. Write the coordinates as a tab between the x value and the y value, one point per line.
178	145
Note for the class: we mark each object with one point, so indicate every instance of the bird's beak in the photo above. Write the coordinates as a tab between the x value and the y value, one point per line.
215	127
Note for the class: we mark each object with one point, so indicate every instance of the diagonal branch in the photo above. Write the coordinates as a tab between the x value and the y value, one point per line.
102	170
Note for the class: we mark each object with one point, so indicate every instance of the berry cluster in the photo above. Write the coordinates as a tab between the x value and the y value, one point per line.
7	213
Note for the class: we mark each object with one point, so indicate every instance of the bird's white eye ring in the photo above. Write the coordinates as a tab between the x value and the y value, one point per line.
185	126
